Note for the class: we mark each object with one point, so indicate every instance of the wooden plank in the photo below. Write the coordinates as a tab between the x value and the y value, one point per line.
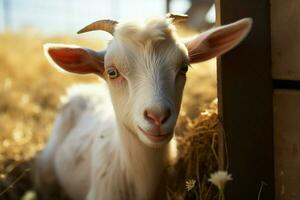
245	103
285	31
168	3
287	144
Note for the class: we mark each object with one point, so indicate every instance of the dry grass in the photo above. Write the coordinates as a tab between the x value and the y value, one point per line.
198	157
29	97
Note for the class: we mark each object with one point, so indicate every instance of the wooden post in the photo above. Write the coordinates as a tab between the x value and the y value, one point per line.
245	103
168	2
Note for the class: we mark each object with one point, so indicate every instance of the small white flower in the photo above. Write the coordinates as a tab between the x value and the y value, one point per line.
220	178
190	184
29	195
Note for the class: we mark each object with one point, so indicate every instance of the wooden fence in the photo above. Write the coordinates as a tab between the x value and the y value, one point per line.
245	103
259	101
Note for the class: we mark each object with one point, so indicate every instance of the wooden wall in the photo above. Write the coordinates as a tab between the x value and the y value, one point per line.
271	52
285	37
285	34
287	144
245	103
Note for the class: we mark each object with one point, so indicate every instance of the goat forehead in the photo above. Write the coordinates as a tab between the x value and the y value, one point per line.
151	30
151	45
158	55
130	57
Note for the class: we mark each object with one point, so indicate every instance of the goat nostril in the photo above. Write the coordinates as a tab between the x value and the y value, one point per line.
151	117
157	119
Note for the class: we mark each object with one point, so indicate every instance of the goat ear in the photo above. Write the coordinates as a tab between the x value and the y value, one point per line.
217	41
75	59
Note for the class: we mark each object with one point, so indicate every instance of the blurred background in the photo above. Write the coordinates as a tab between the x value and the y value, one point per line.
30	88
66	16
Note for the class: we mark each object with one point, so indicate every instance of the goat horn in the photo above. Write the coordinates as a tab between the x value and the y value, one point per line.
104	25
177	17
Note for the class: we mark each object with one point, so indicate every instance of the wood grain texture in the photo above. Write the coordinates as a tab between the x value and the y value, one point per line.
245	102
287	144
285	34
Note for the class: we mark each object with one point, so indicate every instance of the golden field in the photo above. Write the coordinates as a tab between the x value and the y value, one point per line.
30	91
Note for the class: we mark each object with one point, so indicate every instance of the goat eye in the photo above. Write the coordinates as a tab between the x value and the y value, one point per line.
184	68
112	73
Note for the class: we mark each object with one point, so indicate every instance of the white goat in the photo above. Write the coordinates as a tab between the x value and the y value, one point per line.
114	143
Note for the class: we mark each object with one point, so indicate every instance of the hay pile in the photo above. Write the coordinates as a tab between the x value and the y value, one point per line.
197	143
29	98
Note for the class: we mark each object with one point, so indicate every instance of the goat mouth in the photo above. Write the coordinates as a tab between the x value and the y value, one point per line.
155	137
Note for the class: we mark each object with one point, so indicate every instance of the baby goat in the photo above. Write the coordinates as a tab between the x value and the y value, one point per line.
113	144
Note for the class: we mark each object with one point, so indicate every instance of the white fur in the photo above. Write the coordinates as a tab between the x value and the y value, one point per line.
89	158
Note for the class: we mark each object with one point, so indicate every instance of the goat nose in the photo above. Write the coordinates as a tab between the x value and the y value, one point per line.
157	118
